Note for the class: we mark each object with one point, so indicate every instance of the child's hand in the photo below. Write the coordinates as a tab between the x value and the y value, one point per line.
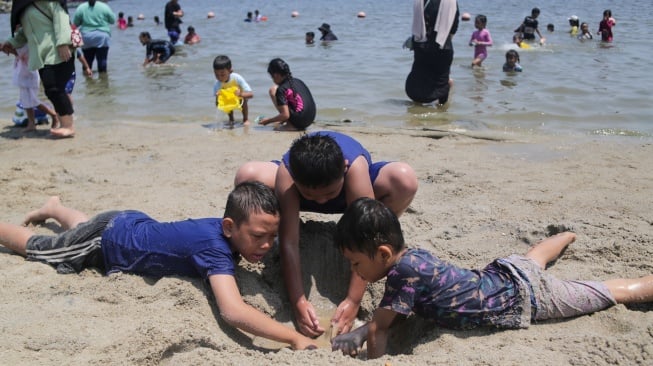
343	318
303	342
472	43
261	120
350	343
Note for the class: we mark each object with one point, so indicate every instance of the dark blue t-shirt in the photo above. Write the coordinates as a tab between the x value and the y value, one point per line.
134	242
351	150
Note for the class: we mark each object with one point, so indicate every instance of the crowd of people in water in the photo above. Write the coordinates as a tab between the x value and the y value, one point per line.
428	81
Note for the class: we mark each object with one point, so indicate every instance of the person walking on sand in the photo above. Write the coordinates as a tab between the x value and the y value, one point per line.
45	28
28	83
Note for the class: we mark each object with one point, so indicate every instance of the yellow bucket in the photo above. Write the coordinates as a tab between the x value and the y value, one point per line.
227	100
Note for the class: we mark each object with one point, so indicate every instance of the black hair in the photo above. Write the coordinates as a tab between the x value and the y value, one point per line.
145	35
482	18
535	11
607	13
191	29
366	225
249	198
316	160
279	66
121	14
222	62
512	53
311	34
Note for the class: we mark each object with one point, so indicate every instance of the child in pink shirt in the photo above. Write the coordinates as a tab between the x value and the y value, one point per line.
481	39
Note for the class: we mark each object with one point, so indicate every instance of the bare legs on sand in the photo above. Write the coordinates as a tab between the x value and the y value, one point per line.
15	237
624	290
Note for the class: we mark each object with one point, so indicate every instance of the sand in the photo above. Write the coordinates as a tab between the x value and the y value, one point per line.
478	199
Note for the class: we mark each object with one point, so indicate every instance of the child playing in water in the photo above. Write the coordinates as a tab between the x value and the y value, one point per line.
122	22
516	39
480	39
509	293
529	27
605	26
290	97
585	33
157	51
573	25
133	242
310	37
512	61
225	79
192	37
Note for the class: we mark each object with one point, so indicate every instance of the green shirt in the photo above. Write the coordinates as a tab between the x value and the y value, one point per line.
43	34
97	17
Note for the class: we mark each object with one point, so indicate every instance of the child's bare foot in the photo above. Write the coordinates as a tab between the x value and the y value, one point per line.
246	122
55	121
43	213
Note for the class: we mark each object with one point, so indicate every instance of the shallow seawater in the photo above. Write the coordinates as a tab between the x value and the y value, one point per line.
567	87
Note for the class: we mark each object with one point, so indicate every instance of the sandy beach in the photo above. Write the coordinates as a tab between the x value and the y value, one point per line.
478	199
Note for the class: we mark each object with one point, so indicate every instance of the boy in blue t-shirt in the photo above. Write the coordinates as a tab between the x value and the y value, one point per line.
132	242
508	293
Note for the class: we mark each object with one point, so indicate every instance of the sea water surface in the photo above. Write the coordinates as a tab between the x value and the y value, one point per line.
567	87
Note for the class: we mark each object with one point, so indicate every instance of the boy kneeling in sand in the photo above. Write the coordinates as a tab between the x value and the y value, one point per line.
508	293
131	241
